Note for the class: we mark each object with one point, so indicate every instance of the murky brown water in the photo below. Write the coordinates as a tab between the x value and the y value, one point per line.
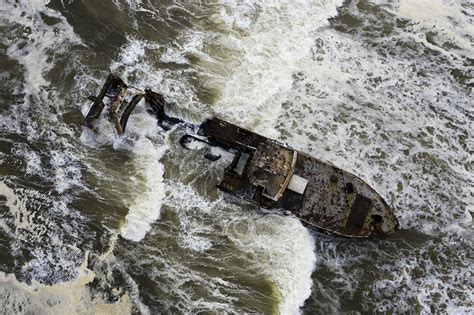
134	224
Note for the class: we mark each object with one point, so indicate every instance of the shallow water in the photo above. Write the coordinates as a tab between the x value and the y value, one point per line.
96	223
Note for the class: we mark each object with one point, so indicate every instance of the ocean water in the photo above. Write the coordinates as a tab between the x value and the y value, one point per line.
108	224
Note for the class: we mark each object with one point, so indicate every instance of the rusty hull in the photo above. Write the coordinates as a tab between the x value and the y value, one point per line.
334	200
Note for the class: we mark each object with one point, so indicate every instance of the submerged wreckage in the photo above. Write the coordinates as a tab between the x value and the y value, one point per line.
263	171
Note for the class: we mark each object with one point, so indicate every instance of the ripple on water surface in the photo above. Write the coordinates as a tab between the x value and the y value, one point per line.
382	89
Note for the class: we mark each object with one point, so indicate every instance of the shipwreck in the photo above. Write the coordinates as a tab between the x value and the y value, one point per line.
263	171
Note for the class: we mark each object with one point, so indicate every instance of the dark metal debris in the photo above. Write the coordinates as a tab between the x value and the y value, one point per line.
265	172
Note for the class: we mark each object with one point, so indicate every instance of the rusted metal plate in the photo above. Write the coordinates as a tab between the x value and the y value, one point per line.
358	214
227	134
271	167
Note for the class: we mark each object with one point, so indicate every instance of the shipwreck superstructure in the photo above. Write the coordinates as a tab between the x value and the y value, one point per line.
263	171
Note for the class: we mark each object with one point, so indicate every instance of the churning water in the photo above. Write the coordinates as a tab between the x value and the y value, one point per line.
100	223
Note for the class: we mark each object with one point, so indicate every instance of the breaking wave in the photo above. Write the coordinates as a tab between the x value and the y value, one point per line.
380	88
